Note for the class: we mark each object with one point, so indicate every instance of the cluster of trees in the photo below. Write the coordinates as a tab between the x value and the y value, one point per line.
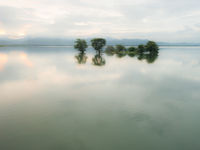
147	52
97	44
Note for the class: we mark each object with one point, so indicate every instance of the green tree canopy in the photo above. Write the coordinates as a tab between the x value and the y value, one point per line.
110	50
132	49
152	47
81	45
120	48
98	43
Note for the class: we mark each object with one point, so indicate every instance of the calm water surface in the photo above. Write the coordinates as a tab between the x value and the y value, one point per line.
50	102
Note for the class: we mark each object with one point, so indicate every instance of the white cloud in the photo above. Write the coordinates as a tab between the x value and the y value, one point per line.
161	20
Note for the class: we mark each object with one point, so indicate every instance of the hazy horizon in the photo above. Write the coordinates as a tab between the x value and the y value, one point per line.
49	41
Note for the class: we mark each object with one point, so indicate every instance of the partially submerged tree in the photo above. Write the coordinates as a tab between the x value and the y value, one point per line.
148	52
81	45
152	47
98	44
120	49
110	50
132	49
141	49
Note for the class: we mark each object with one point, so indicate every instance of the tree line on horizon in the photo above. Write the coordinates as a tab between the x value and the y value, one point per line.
148	52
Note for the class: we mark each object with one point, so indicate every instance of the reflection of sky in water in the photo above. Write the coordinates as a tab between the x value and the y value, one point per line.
48	101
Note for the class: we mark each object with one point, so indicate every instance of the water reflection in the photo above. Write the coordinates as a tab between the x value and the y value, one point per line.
98	60
81	58
3	61
121	54
124	105
17	57
150	58
131	54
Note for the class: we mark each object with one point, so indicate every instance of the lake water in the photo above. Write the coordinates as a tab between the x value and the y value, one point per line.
48	101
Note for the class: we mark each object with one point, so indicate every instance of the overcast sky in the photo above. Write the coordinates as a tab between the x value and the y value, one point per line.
160	20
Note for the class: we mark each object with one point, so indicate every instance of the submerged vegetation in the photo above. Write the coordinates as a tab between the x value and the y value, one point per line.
148	52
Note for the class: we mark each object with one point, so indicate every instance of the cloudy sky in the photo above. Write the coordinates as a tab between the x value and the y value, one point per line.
160	20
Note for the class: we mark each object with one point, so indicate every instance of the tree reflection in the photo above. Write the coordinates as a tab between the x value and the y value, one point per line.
98	60
121	54
132	51
81	58
141	56
131	54
149	57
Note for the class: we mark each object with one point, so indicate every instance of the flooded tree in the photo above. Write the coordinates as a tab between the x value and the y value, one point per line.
110	50
120	51
81	45
120	48
153	50
98	44
141	49
132	51
148	52
151	47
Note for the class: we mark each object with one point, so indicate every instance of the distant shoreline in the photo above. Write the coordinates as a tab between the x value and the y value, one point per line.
89	45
